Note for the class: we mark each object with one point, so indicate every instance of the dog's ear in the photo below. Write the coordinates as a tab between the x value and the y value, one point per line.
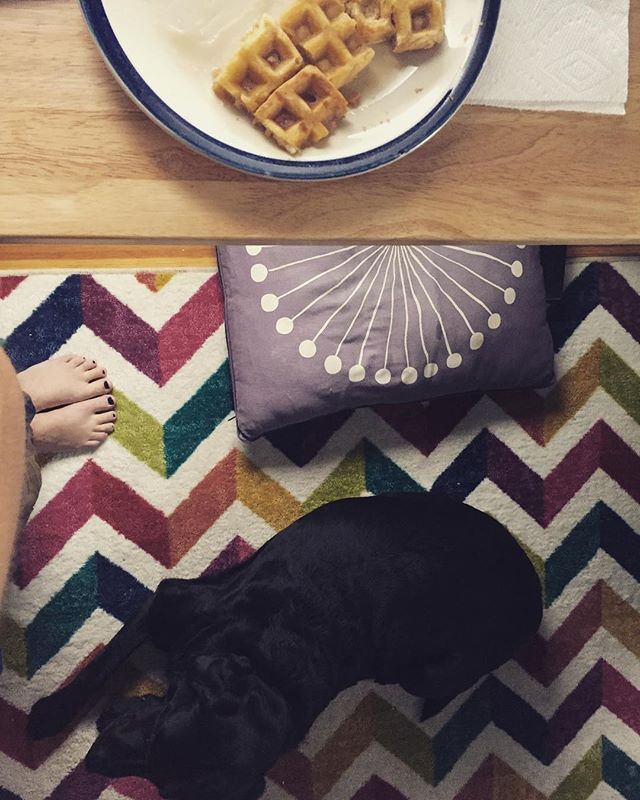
125	731
220	725
221	714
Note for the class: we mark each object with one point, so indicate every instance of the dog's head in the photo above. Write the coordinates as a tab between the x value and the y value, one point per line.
215	734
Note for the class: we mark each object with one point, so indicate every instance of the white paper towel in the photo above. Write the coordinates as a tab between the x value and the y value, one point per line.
553	55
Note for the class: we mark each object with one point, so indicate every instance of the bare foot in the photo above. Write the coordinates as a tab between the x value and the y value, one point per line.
73	427
63	380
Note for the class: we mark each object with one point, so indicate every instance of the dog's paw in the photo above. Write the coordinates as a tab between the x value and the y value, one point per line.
47	718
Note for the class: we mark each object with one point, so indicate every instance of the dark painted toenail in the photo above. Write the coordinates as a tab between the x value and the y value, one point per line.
112	402
106	384
104	371
114	416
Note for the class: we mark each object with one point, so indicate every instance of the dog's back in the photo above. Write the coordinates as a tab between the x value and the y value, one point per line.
413	589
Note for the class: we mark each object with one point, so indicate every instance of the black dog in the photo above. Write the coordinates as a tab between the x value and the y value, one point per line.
412	589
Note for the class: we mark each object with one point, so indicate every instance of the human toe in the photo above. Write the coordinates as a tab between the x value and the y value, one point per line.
93	373
99	390
97	438
103	404
105	417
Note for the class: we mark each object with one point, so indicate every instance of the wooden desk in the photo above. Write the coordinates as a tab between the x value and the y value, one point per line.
79	160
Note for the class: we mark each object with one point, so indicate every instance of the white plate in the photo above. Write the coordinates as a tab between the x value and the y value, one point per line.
163	52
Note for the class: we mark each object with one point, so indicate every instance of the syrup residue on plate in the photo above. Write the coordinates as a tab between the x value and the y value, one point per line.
206	32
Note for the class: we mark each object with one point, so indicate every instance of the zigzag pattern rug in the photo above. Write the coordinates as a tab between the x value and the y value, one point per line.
174	493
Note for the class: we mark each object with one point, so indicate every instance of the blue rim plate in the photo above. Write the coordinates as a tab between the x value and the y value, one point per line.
370	159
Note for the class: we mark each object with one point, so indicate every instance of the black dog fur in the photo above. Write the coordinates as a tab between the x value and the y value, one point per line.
412	589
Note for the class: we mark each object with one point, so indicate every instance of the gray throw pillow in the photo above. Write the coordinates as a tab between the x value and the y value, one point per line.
312	330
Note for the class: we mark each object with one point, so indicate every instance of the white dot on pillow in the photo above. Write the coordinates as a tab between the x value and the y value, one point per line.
516	269
430	370
307	349
383	377
409	375
259	273
494	321
476	341
454	360
269	302
509	296
333	365
254	249
356	373
284	325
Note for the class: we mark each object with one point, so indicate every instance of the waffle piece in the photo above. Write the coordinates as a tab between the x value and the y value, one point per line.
307	17
303	111
328	38
266	59
373	18
419	24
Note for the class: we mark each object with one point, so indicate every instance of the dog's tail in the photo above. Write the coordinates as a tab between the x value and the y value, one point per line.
52	714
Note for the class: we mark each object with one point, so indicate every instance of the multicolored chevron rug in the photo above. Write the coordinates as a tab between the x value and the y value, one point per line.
175	493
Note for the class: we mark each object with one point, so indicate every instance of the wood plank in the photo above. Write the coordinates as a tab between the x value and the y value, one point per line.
603	253
89	255
77	159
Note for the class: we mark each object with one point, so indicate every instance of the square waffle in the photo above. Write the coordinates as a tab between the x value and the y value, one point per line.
266	59
373	18
307	17
328	38
419	24
302	111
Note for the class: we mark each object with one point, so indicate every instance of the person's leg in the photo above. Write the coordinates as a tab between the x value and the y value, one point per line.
83	416
12	450
32	473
